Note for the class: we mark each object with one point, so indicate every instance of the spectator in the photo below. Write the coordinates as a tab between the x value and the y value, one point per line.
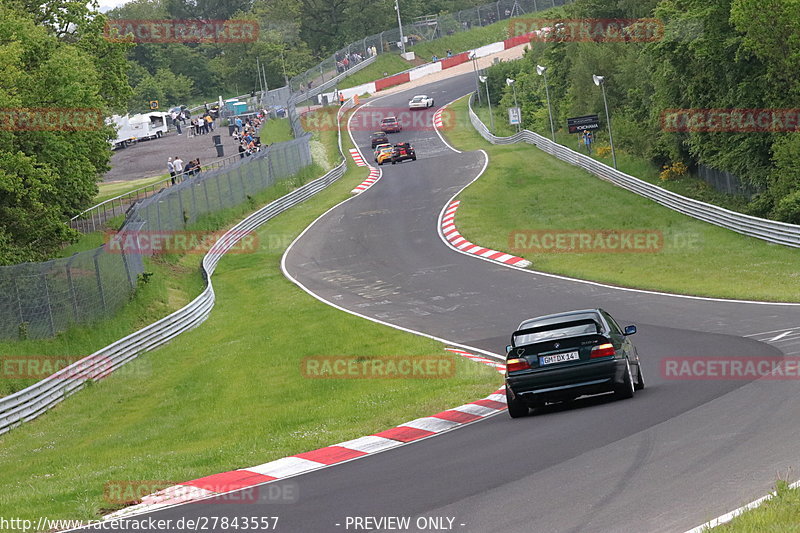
434	59
341	98
171	169
449	53
209	122
238	123
175	116
241	151
177	163
587	140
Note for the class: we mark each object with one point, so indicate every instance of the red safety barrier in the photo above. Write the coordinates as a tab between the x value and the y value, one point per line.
457	59
516	41
397	79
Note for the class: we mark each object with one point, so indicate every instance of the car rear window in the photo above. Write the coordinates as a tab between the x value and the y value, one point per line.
574	331
584	329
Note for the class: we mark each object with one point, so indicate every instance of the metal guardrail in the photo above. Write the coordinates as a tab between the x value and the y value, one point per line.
27	404
760	228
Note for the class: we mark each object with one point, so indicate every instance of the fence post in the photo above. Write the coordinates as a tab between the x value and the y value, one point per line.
180	206
19	301
127	268
497	7
72	296
50	322
99	279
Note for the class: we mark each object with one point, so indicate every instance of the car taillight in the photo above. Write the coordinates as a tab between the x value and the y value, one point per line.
602	350
513	365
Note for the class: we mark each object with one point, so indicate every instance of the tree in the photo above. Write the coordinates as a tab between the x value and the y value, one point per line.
56	85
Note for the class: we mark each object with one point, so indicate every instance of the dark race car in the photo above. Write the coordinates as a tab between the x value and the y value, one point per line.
379	137
390	125
556	358
403	151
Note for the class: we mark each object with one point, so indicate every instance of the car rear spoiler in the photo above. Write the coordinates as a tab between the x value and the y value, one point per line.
559	325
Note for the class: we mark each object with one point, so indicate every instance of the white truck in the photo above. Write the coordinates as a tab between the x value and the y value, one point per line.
131	129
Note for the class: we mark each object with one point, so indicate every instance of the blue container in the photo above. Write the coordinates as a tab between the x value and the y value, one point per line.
240	108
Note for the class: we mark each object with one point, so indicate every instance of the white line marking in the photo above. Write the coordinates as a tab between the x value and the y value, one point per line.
779	337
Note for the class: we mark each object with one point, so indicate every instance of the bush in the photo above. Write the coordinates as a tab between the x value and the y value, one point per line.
760	205
788	208
674	171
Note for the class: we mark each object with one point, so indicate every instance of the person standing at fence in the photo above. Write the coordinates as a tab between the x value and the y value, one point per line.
209	122
238	123
177	163
171	169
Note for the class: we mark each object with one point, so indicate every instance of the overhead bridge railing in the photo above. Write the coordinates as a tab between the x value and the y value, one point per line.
29	403
767	230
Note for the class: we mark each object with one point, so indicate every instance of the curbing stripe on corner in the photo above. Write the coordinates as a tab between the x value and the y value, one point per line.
451	234
420	428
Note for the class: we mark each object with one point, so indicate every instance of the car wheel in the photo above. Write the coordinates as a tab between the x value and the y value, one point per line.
414	158
639	377
626	389
394	162
516	407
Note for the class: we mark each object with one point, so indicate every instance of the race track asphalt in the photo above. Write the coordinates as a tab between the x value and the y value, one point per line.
676	455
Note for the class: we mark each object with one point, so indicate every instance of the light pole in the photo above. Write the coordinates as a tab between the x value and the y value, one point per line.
485	81
601	81
542	71
400	25
475	68
511	82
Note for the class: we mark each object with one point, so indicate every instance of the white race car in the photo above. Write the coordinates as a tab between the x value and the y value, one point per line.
420	101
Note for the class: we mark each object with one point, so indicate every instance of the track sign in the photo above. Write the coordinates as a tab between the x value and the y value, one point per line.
584	123
514	116
153	104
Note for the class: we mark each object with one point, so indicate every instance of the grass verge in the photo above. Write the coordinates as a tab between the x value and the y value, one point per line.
779	513
108	190
228	394
544	193
689	185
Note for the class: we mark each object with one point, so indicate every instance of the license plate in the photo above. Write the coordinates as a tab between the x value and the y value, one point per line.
558	358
